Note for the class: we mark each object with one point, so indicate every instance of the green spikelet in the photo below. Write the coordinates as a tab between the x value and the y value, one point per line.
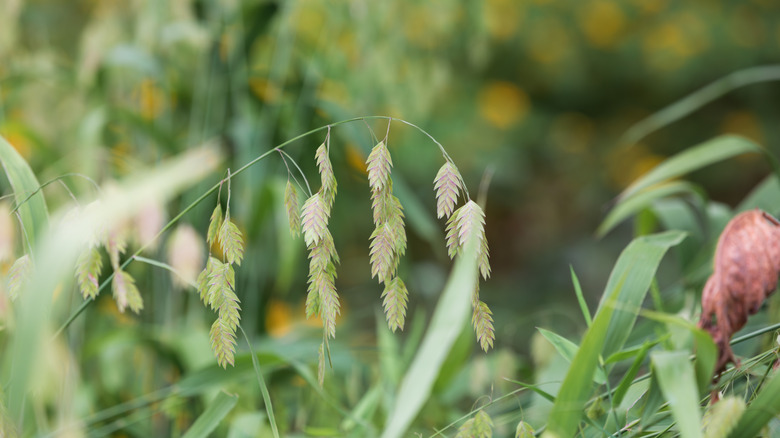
88	269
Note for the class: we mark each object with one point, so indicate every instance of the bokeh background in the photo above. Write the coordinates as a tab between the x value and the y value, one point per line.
534	94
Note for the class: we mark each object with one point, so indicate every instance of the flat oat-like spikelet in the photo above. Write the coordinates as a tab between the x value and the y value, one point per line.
328	178
126	293
214	225
293	209
746	266
314	218
482	320
223	342
466	220
378	166
231	241
447	186
395	298
88	269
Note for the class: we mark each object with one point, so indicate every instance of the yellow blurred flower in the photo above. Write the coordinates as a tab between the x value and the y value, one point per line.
333	91
15	135
265	90
502	17
625	165
152	99
548	42
503	104
278	318
356	159
602	22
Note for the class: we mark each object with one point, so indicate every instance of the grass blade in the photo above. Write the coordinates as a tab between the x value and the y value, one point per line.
637	265
29	200
212	416
629	206
676	378
580	297
58	249
452	312
696	157
568	350
269	408
698	99
567	411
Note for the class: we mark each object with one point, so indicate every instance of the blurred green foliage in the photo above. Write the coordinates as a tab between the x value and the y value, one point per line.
537	92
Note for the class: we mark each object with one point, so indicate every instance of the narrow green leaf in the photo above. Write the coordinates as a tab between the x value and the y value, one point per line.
580	297
628	206
448	320
546	395
568	350
212	416
637	265
628	378
677	380
30	202
763	196
568	409
693	158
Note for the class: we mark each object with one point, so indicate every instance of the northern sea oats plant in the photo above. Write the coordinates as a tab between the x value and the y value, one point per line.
216	282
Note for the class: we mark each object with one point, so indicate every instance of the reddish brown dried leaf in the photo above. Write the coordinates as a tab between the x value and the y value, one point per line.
746	265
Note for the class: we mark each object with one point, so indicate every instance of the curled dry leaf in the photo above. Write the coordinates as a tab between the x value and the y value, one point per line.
746	265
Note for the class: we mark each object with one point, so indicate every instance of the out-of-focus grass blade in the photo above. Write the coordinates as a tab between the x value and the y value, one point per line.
568	350
764	407
364	409
452	312
212	416
637	265
580	297
58	248
676	214
706	351
628	206
676	378
33	212
698	99
696	157
628	353
567	411
546	395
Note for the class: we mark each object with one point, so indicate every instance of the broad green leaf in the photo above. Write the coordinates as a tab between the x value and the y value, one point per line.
635	269
628	206
764	407
449	317
212	416
693	158
676	378
568	349
568	409
29	201
676	214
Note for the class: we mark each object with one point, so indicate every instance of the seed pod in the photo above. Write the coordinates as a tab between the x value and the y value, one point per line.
746	265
